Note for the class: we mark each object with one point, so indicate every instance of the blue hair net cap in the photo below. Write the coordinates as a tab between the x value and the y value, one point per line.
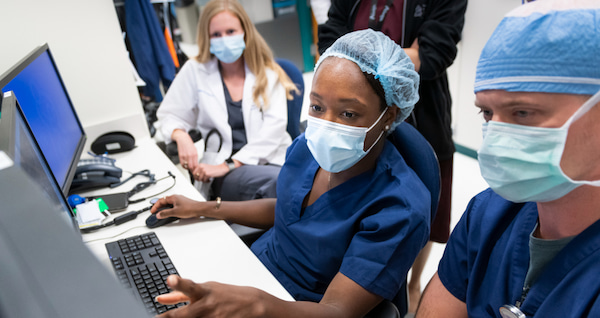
375	53
550	46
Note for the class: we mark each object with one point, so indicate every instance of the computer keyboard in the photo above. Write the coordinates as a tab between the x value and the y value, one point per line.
142	265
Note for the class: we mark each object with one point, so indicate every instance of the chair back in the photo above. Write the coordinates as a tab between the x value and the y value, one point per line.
295	105
419	156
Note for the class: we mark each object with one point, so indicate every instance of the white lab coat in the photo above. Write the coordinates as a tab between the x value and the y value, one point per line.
196	99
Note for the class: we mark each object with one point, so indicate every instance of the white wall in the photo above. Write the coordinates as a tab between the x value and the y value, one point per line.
481	19
85	40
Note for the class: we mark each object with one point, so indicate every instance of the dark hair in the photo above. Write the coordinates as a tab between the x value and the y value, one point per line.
376	85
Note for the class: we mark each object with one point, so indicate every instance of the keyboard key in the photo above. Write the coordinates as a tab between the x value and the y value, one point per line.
142	263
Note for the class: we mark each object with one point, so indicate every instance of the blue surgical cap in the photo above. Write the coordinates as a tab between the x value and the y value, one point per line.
375	53
550	46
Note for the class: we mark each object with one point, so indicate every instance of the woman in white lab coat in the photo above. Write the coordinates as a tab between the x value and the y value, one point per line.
235	87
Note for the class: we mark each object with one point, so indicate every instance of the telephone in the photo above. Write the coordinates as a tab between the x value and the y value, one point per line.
95	173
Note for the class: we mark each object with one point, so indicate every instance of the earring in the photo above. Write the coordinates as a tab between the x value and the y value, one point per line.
387	127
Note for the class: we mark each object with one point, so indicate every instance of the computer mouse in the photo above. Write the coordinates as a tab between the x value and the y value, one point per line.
153	222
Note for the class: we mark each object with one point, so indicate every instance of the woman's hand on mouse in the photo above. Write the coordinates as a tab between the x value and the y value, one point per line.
183	207
211	299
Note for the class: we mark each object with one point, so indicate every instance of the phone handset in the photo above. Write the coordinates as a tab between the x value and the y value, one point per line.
95	173
98	169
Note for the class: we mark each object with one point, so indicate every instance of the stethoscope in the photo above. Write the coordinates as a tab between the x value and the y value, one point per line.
511	311
514	311
210	133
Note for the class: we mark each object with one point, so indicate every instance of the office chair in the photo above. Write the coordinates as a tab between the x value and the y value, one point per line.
419	156
385	309
294	106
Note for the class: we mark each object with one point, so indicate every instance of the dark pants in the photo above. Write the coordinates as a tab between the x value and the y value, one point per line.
440	226
247	182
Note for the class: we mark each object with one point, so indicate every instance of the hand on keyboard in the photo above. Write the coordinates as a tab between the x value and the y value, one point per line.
142	265
212	299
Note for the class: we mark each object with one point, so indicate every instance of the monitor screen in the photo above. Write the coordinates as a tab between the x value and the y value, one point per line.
42	95
17	141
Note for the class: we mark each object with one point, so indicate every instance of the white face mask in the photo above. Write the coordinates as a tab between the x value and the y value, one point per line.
228	49
337	147
522	163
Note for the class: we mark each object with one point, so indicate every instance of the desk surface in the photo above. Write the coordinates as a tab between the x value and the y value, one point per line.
201	249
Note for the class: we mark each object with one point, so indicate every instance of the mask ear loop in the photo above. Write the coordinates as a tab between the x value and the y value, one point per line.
372	126
595	99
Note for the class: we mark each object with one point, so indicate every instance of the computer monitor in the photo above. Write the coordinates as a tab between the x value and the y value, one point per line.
47	107
17	141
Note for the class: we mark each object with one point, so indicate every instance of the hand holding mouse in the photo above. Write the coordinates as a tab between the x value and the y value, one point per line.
152	221
176	206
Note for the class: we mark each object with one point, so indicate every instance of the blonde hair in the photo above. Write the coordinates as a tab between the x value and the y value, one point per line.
258	55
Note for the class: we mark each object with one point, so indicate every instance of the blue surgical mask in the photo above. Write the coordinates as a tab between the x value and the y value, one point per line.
228	49
337	147
522	163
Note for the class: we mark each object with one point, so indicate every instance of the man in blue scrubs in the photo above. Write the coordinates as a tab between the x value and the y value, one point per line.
530	245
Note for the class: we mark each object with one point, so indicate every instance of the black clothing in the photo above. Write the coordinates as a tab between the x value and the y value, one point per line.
438	26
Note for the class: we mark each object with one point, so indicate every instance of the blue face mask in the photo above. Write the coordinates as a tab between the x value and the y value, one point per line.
228	49
522	163
337	147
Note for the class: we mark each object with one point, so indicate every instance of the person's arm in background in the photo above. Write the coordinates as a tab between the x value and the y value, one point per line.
437	301
413	54
338	23
438	36
177	115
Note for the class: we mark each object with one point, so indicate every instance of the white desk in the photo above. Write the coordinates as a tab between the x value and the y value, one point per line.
201	249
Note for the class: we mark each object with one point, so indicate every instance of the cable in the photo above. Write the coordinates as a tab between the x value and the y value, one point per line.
116	221
144	172
144	186
118	234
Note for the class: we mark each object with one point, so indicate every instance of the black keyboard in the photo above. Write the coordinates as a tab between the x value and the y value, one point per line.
142	265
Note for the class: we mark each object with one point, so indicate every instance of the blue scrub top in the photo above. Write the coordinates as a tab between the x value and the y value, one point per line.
487	257
369	228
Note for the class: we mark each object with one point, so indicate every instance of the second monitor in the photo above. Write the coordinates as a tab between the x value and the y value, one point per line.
48	109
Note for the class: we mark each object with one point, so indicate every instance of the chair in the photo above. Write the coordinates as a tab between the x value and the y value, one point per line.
419	156
385	309
294	106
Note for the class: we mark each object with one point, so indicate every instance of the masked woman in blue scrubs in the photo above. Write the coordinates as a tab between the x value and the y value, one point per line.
234	93
350	216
